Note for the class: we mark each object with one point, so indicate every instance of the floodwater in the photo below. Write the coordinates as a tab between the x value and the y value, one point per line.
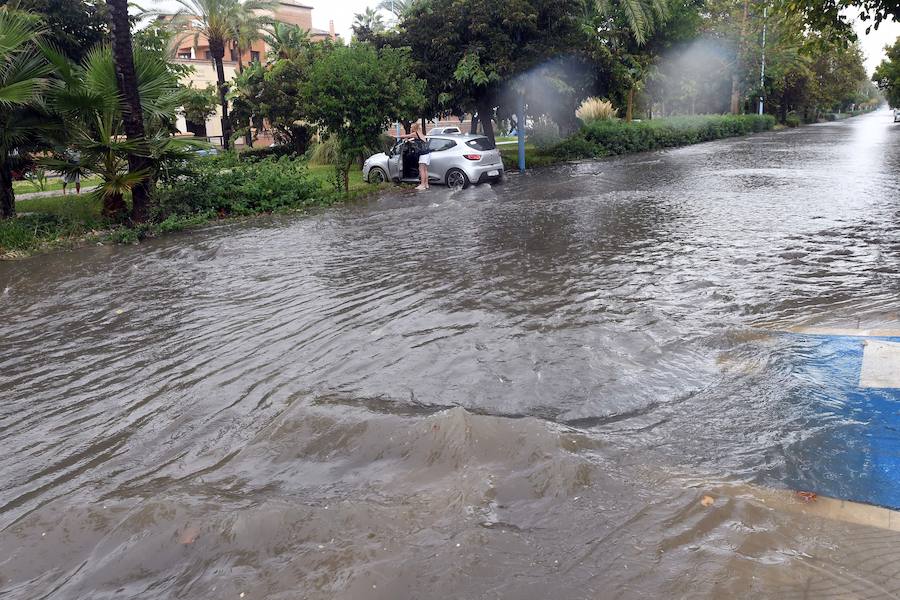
528	391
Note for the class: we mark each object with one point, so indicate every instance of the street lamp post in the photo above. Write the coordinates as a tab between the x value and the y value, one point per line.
520	130
762	68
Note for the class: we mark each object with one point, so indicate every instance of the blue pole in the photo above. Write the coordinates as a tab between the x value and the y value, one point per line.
520	129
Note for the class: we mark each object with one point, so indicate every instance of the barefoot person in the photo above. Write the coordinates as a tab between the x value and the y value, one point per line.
73	176
424	156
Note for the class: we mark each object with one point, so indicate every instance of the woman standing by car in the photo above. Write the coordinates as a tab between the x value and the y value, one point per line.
424	153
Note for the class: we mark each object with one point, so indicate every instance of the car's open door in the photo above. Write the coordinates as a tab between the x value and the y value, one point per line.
395	162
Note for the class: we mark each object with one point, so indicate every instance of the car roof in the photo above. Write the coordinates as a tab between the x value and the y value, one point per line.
458	136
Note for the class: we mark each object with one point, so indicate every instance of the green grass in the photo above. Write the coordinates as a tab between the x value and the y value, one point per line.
50	222
533	157
53	184
84	208
325	174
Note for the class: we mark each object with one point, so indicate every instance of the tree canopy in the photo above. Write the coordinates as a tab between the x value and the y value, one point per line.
887	74
355	92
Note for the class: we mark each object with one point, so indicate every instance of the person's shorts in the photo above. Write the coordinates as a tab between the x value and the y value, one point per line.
425	159
72	178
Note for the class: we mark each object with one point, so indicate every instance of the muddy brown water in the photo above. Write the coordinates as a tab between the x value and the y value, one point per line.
517	392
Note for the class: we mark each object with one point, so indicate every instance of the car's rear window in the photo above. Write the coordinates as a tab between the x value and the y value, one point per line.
482	144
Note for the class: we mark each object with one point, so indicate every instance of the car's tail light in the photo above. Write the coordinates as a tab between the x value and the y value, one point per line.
472	156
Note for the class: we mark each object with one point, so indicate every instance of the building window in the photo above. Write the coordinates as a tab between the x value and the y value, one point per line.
184	55
254	56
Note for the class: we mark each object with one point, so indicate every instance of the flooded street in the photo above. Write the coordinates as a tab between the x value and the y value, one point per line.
520	392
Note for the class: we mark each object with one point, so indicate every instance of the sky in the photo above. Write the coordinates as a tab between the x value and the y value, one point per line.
342	11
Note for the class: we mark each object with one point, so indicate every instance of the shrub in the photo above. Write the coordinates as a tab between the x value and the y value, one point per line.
326	152
792	120
576	148
595	109
544	134
279	150
385	143
267	185
616	137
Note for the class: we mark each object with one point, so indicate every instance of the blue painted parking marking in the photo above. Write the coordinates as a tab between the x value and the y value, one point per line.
847	389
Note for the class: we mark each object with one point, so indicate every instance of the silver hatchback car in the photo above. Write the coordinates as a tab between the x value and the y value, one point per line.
456	160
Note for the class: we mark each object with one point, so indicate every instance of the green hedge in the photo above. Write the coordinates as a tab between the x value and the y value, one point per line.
221	187
604	138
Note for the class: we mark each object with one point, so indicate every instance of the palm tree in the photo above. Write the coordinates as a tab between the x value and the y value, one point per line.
215	20
641	16
246	28
88	99
23	79
287	41
398	8
370	21
133	115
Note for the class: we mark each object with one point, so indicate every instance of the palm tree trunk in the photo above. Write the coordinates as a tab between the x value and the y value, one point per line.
629	105
7	195
217	50
114	206
133	114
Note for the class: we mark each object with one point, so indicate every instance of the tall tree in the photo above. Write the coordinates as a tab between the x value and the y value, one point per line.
23	78
470	59
214	20
246	28
286	40
887	74
72	26
366	24
133	114
837	15
398	8
355	92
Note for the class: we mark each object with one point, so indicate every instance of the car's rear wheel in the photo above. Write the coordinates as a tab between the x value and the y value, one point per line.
377	176
457	179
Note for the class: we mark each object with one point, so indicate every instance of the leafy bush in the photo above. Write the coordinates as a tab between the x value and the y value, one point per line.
792	120
244	189
544	134
385	143
616	137
595	109
279	150
575	148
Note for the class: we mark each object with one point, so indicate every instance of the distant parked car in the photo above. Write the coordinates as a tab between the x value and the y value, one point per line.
456	161
443	130
896	115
